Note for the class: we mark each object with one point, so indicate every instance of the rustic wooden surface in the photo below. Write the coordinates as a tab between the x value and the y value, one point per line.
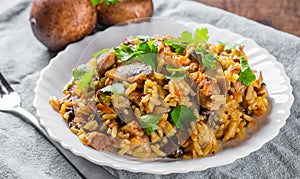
283	15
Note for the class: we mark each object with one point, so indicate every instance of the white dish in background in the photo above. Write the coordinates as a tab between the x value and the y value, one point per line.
59	71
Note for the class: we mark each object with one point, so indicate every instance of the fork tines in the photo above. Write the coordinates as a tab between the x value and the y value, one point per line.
5	84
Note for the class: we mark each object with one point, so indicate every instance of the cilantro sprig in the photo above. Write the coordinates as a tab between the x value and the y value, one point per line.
200	36
80	71
107	2
170	68
149	122
246	75
145	52
176	46
84	74
180	76
116	88
182	116
125	53
207	59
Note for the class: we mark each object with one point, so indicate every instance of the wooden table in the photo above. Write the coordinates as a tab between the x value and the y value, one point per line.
283	15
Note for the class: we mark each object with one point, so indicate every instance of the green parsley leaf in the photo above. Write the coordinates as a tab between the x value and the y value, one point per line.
149	122
246	75
207	59
116	88
147	53
107	2
176	46
200	36
176	76
124	53
182	116
86	79
186	37
229	46
148	59
80	71
170	68
101	52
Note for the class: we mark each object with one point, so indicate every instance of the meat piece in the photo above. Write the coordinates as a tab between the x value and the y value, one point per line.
209	86
135	97
124	72
105	63
206	88
134	129
98	141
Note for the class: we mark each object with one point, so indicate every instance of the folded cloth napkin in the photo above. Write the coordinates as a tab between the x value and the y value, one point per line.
24	153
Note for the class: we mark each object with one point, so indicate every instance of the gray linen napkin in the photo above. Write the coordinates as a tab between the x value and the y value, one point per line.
24	153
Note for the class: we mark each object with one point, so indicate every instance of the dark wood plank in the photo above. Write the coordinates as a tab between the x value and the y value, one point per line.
280	14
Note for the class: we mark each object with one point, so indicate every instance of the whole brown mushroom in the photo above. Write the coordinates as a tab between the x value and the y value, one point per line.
124	10
56	23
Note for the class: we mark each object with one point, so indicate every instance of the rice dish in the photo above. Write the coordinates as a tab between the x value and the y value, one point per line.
165	97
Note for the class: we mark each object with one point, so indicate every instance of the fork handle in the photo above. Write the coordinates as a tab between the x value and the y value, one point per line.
31	119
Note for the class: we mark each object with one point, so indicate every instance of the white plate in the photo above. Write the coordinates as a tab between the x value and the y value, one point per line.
54	77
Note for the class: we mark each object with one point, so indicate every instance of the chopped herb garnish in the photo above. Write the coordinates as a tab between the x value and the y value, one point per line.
149	122
86	79
147	53
80	71
207	59
170	68
182	116
176	46
107	2
176	76
200	36
84	74
101	52
116	88
229	46
246	75
124	53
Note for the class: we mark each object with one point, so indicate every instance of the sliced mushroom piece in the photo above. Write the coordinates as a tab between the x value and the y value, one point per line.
130	71
105	63
123	109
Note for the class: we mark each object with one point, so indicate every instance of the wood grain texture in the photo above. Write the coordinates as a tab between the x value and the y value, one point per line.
280	14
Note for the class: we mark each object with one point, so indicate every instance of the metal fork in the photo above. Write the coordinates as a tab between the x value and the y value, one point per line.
10	102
